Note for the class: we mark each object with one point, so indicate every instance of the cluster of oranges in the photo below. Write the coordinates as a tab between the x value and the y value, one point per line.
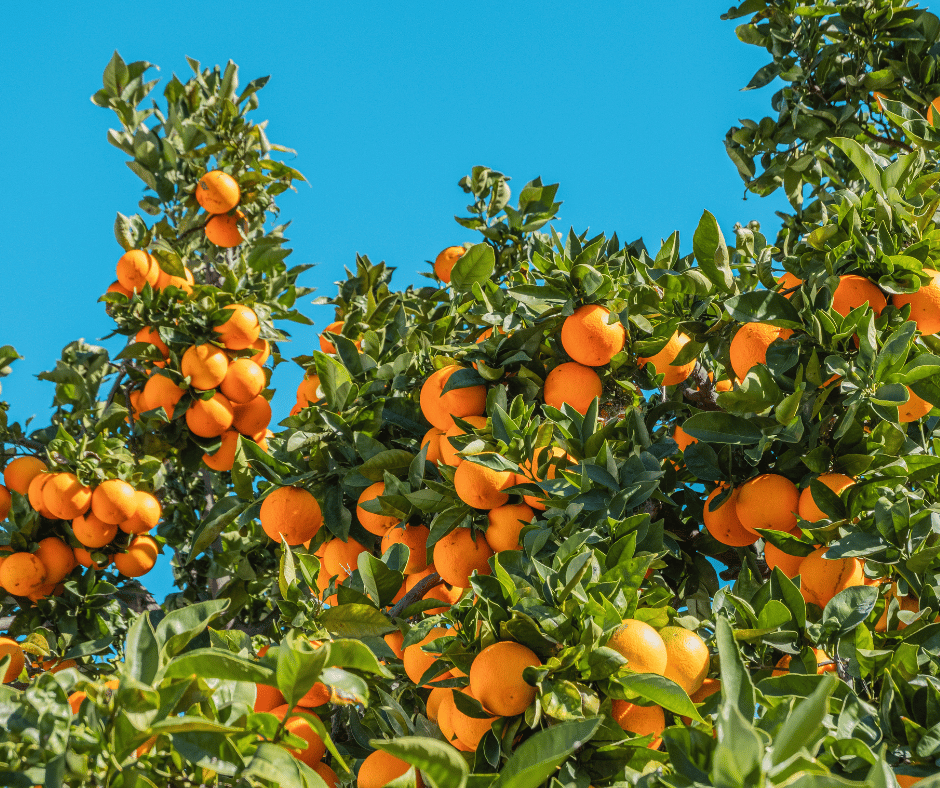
112	518
138	267
219	193
228	398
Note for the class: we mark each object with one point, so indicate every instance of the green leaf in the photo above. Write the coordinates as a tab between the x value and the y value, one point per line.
716	427
179	627
537	758
711	252
736	685
298	670
274	764
849	608
441	763
356	621
224	512
216	663
476	265
660	690
804	723
142	651
763	306
863	160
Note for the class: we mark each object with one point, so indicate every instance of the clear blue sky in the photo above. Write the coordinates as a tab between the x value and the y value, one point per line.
388	106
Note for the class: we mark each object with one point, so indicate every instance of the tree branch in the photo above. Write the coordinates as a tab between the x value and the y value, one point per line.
24	442
421	588
704	395
891	143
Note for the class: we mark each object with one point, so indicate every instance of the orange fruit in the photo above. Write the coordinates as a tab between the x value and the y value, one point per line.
439	408
113	501
935	104
724	385
416	660
240	329
117	287
687	658
443	592
394	641
267	698
768	501
292	513
783	664
223	229
458	554
433	439
914	409
908	603
253	417
243	381
641	646
470	730
224	457
160	392
315	750
786	281
336	327
57	557
147	511
822	578
22	573
10	648
836	482
83	557
445	260
482	487
152	337
75	701
341	558
217	192
447	450
6	501
35	494
709	687
682	438
572	383
504	524
184	283
308	392
328	776
530	471
750	344
907	780
853	291
496	678
205	366
788	564
65	496
209	418
376	524
415	538
662	361
445	713
264	351
380	768
589	339
433	703
139	558
21	471
640	720
925	304
137	268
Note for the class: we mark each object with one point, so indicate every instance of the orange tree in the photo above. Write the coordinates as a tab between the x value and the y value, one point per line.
486	546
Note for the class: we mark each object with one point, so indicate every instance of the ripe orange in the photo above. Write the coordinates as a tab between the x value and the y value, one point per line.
22	573
83	557
783	664
117	287
415	538
935	104
907	780
217	192
908	603
223	229
341	558
662	361
482	487
444	262
308	392
394	641
750	344
853	291
640	720
204	365
240	329
724	385
530	471
147	511
336	327
315	750
137	268
589	339
504	523
445	714
836	482
253	417
822	578
152	337
786	281
768	501
687	658
447	449
682	438
113	501
35	494
416	660
184	283
573	383
292	513
264	351
444	592
6	501
470	730
328	776
209	418
267	698
57	557
139	558
21	471
641	646
439	408
160	392
380	768
788	564
496	678
433	703
433	438
65	496
458	554
376	524
925	304
224	457
10	648
914	409
243	381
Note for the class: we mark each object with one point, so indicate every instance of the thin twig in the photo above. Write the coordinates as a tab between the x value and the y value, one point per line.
891	143
25	442
421	588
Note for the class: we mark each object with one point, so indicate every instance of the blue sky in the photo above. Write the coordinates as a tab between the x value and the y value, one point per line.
388	106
